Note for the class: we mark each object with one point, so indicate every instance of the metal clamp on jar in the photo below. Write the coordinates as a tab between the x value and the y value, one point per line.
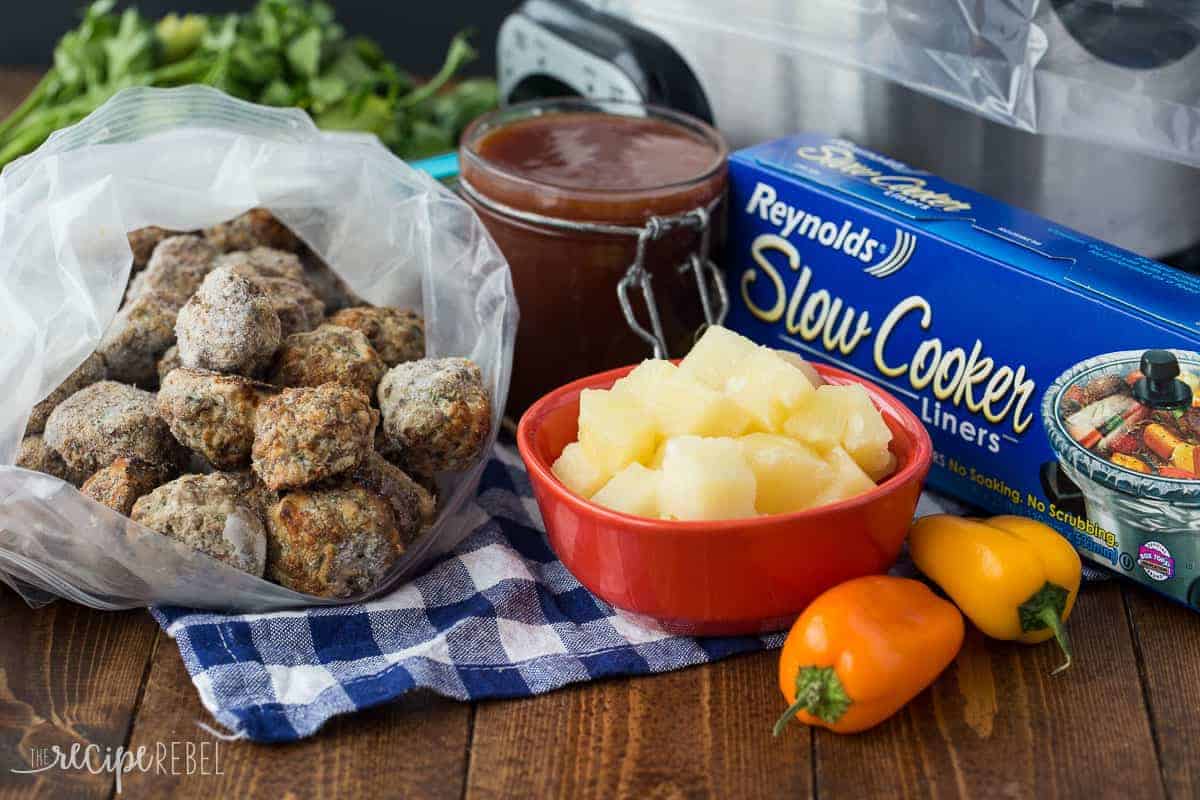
594	203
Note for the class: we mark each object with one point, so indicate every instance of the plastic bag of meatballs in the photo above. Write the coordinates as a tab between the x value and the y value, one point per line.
246	365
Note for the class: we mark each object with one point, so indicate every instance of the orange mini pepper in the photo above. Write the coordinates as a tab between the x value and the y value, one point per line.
863	649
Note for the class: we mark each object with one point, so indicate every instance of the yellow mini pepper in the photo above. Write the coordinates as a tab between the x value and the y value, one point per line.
863	649
1015	578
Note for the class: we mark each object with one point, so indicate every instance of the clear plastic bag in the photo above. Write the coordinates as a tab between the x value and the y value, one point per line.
1120	73
185	159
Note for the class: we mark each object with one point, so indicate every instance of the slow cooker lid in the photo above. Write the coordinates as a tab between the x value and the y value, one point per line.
1097	425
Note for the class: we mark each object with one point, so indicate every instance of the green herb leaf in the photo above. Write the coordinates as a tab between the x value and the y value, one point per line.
278	93
130	51
304	53
180	36
326	92
371	114
282	52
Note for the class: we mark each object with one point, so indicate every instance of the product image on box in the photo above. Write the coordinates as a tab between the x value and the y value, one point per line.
1126	430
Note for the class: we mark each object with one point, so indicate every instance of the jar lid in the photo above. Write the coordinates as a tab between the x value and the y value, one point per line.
594	160
1128	430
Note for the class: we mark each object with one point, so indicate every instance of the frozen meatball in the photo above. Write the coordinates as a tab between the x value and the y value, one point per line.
229	325
211	413
109	420
138	336
397	334
176	269
331	542
413	506
330	353
143	241
208	513
264	262
254	491
256	228
37	455
299	310
91	370
437	412
121	483
167	362
305	435
326	283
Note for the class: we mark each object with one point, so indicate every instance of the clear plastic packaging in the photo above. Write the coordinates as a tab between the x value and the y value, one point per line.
185	159
1115	73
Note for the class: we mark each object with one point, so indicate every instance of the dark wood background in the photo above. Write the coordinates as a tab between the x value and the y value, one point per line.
1124	722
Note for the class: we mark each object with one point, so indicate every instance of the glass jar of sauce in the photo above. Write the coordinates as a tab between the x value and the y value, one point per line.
604	213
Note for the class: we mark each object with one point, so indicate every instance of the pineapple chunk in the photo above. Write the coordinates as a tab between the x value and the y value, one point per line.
798	361
705	479
715	356
884	469
633	490
789	475
848	478
615	430
681	404
768	387
659	455
578	473
845	416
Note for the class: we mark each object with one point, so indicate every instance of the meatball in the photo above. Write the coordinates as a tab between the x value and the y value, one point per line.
254	491
299	310
305	435
139	334
197	510
36	454
397	334
330	353
258	227
211	413
143	241
326	283
331	542
263	262
168	361
436	412
109	420
121	483
413	506
176	269
228	325
91	370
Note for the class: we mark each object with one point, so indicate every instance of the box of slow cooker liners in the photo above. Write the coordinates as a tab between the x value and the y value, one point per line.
1022	345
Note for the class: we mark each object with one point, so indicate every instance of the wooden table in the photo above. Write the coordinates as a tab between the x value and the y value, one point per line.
1120	723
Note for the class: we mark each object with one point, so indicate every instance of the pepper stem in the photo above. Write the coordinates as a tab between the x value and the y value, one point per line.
792	710
1050	617
819	691
1045	610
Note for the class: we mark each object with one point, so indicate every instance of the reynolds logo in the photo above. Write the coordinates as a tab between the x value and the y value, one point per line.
902	251
844	237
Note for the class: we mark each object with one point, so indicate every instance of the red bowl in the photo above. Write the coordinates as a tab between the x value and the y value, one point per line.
726	577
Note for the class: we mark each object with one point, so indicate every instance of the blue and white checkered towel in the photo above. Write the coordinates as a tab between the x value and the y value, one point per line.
499	617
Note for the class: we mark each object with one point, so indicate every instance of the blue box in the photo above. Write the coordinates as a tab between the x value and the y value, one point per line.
966	308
